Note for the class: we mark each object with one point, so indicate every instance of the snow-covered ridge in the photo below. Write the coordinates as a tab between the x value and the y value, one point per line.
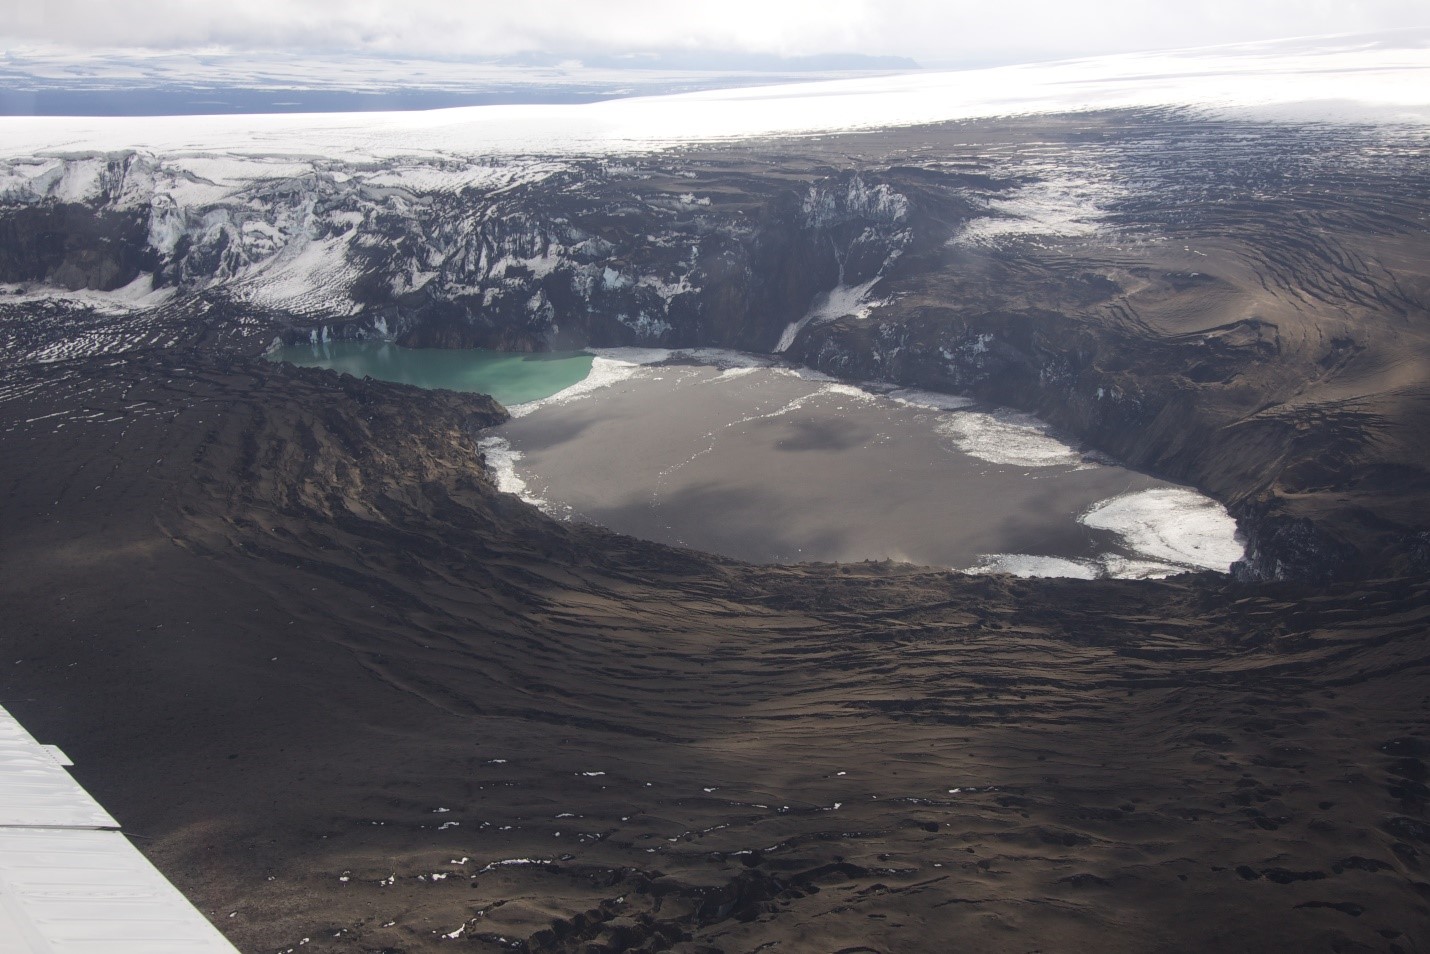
131	179
290	234
1383	78
357	219
372	244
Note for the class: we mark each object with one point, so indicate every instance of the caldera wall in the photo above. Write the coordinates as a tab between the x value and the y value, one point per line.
1241	308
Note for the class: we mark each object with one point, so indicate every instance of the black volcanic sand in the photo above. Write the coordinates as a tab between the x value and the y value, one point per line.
280	622
765	466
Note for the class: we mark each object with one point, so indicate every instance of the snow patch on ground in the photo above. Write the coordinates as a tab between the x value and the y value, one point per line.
305	277
136	296
76	180
1051	208
454	178
839	301
235	171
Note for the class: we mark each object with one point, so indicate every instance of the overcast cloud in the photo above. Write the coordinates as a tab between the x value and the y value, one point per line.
931	31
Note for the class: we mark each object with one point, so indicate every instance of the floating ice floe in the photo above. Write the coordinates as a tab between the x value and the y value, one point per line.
611	366
1008	437
1170	530
929	400
1032	565
1172	524
501	461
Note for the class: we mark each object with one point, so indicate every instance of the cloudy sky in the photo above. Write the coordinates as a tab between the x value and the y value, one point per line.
932	31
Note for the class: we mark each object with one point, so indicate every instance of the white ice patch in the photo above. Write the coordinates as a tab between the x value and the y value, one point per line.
666	289
725	359
76	180
611	366
1031	565
236	171
1051	208
515	863
306	276
138	295
806	374
929	400
849	391
1109	565
1009	438
1128	568
501	461
539	265
1172	525
1170	530
839	301
454	178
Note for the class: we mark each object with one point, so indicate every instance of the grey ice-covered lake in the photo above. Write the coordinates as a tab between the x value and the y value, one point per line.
736	455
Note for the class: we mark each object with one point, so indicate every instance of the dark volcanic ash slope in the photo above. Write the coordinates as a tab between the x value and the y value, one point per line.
1241	306
341	690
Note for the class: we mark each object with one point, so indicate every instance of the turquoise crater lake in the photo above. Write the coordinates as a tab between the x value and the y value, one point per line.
510	378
